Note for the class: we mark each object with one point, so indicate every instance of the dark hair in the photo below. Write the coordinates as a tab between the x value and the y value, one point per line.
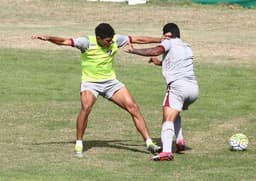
172	28
104	30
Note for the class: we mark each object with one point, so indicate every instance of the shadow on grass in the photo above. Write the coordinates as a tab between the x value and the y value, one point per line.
88	144
117	144
174	149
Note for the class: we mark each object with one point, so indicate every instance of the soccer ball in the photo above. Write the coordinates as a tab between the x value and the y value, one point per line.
238	142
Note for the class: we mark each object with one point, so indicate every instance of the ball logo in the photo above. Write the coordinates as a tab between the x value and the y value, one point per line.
238	142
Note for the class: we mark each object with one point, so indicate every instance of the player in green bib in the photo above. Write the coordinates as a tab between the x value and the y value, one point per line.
98	62
99	78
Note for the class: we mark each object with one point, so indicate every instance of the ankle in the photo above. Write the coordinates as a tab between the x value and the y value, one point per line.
180	142
79	143
149	141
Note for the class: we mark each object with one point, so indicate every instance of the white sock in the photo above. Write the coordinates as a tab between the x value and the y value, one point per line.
148	141
178	129
79	143
167	135
180	136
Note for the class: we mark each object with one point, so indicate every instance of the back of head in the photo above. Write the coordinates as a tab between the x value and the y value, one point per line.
104	30
172	28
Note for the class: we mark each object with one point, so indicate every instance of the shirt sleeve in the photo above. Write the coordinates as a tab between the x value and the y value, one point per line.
121	40
81	43
166	45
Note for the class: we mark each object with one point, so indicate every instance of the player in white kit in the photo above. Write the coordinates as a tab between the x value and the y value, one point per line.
182	86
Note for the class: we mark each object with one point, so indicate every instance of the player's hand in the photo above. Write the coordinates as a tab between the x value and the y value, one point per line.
40	37
154	60
166	36
128	47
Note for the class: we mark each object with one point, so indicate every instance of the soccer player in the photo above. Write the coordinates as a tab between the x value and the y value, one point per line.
182	86
99	78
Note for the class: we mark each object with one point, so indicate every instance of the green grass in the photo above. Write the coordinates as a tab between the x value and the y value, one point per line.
40	100
26	68
39	93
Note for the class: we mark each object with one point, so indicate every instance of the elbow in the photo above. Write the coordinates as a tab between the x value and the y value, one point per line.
156	53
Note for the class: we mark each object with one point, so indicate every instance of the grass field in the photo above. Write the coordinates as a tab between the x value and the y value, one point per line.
39	95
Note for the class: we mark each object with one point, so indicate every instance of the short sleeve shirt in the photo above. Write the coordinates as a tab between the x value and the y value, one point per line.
82	43
177	62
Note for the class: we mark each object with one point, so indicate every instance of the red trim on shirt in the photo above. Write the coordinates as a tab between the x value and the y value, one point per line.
167	101
162	47
130	39
72	42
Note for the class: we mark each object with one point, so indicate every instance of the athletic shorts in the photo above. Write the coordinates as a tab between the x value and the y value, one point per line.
180	94
106	89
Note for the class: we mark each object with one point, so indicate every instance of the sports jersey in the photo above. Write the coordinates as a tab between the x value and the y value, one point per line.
98	62
177	62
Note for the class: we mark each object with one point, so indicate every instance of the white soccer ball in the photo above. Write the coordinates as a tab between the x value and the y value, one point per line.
238	142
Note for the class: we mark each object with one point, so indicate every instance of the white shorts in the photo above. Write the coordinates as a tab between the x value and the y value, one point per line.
180	94
106	89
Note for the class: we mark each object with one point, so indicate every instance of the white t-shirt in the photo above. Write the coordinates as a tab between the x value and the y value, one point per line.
177	62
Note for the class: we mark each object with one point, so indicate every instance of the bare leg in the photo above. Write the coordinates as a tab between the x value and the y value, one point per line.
125	100
170	114
87	102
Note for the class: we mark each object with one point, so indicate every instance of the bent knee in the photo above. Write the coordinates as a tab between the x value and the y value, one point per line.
133	108
86	108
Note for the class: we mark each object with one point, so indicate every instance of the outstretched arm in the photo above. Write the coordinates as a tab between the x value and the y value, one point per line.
155	51
54	39
147	39
144	39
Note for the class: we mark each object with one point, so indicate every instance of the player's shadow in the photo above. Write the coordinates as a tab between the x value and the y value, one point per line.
116	144
174	149
88	144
